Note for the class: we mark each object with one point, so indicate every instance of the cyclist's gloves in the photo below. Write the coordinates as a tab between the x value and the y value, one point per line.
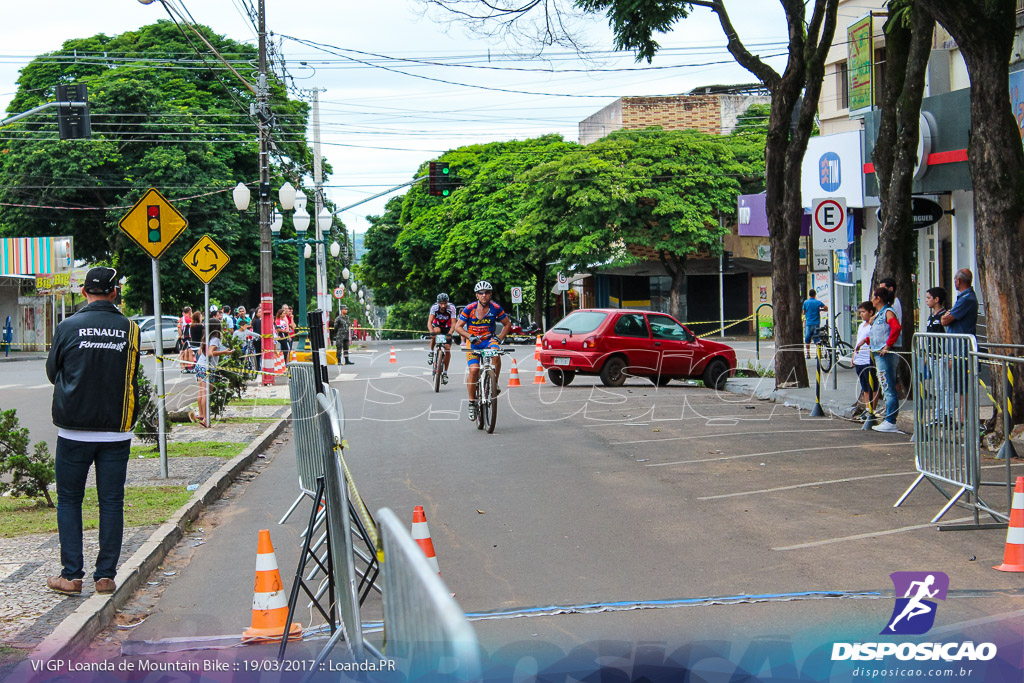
474	339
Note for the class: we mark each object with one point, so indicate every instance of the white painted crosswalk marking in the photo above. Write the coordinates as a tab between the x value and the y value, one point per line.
346	376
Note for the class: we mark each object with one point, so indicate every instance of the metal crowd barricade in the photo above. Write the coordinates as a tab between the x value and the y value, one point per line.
426	631
946	434
310	444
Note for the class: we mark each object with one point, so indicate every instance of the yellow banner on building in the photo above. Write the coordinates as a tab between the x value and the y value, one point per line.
860	59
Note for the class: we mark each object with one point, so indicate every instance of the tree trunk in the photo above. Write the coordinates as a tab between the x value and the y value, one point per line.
907	49
984	32
675	268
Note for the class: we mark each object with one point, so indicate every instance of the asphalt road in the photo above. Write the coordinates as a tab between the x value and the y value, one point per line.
618	499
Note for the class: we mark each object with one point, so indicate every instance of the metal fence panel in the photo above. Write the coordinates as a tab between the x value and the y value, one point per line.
427	632
310	445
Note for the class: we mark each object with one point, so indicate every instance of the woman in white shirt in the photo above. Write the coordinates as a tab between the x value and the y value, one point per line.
862	360
207	363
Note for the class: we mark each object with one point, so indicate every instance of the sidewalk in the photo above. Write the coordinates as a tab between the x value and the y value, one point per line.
46	625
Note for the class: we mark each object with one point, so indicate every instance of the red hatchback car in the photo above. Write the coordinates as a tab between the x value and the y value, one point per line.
616	343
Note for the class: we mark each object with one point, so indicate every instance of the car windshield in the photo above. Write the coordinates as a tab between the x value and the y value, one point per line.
580	322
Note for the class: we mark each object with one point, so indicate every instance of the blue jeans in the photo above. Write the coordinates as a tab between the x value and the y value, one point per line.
886	366
72	467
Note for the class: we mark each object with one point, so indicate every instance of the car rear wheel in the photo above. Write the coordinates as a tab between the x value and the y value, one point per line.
560	377
715	374
613	374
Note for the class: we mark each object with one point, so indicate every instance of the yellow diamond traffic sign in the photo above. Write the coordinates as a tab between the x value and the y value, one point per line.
206	259
153	223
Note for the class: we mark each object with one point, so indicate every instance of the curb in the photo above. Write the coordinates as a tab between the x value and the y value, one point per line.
96	612
765	390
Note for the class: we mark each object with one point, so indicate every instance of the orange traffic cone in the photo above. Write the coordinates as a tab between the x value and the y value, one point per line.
1013	557
421	534
280	366
538	378
513	379
537	349
392	359
269	601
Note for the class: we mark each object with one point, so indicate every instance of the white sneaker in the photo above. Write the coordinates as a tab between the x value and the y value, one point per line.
886	426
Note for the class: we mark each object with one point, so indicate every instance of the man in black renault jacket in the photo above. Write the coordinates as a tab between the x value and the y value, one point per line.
94	366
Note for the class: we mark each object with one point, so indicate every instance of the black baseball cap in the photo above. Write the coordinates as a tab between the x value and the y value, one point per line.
100	280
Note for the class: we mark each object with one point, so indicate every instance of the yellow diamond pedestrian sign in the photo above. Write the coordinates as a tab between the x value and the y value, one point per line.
206	259
153	223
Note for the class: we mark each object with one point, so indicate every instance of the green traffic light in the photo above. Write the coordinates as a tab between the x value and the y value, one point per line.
444	169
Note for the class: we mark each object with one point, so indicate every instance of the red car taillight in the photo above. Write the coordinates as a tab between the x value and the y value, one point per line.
590	342
544	341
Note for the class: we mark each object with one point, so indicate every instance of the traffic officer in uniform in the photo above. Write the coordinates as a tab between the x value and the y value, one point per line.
341	326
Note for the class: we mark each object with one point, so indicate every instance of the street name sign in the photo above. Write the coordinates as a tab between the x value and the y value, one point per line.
828	223
153	223
206	259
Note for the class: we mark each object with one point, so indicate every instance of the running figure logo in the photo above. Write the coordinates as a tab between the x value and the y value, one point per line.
914	613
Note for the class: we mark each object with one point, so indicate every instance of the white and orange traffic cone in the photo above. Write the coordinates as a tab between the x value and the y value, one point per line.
421	534
269	601
1013	557
279	367
393	359
538	378
513	378
537	349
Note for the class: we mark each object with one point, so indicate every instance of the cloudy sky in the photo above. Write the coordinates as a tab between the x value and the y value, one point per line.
386	112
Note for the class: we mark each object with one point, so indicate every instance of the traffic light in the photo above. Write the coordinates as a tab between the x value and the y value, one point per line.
440	179
73	122
726	260
153	222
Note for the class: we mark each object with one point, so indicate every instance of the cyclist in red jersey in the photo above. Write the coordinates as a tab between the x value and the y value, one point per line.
440	321
477	324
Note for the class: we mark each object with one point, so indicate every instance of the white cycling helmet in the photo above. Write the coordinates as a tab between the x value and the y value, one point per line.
483	285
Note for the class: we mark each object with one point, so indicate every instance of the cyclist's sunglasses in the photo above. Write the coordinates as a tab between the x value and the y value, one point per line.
484	291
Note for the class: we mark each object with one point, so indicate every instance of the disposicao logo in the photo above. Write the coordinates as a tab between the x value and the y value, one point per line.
914	614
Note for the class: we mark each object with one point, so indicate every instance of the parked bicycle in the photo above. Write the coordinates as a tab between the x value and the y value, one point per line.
437	368
840	352
487	389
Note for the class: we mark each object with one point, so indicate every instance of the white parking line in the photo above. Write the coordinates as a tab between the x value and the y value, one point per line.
813	483
9	386
41	386
346	376
389	375
870	534
751	455
719	436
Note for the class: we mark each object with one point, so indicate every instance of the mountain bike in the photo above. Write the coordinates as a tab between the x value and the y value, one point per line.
487	389
840	352
437	368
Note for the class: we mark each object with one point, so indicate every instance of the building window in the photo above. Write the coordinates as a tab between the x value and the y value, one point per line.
842	85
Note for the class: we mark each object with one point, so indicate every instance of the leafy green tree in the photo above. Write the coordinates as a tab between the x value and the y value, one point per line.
182	128
634	190
30	475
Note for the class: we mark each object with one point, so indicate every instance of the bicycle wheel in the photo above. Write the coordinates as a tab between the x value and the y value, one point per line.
825	352
437	369
490	407
844	355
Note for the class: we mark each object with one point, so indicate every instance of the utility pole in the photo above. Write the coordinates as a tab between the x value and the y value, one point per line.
266	268
323	297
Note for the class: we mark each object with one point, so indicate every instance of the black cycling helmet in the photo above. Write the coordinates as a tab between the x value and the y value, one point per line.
442	297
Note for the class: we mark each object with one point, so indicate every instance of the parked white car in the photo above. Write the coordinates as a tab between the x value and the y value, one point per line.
147	330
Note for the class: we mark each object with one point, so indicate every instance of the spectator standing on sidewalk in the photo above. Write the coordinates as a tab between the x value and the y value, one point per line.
342	327
257	328
963	317
94	367
935	300
862	359
890	284
227	320
812	320
885	330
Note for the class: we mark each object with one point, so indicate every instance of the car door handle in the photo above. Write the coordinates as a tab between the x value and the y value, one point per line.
657	343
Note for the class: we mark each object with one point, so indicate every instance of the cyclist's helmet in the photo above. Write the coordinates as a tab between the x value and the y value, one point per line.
483	285
442	298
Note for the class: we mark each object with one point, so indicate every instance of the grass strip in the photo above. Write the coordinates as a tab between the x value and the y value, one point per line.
260	402
143	506
190	449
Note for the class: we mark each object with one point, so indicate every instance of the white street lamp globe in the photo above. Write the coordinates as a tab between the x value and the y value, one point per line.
287	196
360	294
324	219
240	195
345	273
307	251
335	249
300	201
275	225
300	219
